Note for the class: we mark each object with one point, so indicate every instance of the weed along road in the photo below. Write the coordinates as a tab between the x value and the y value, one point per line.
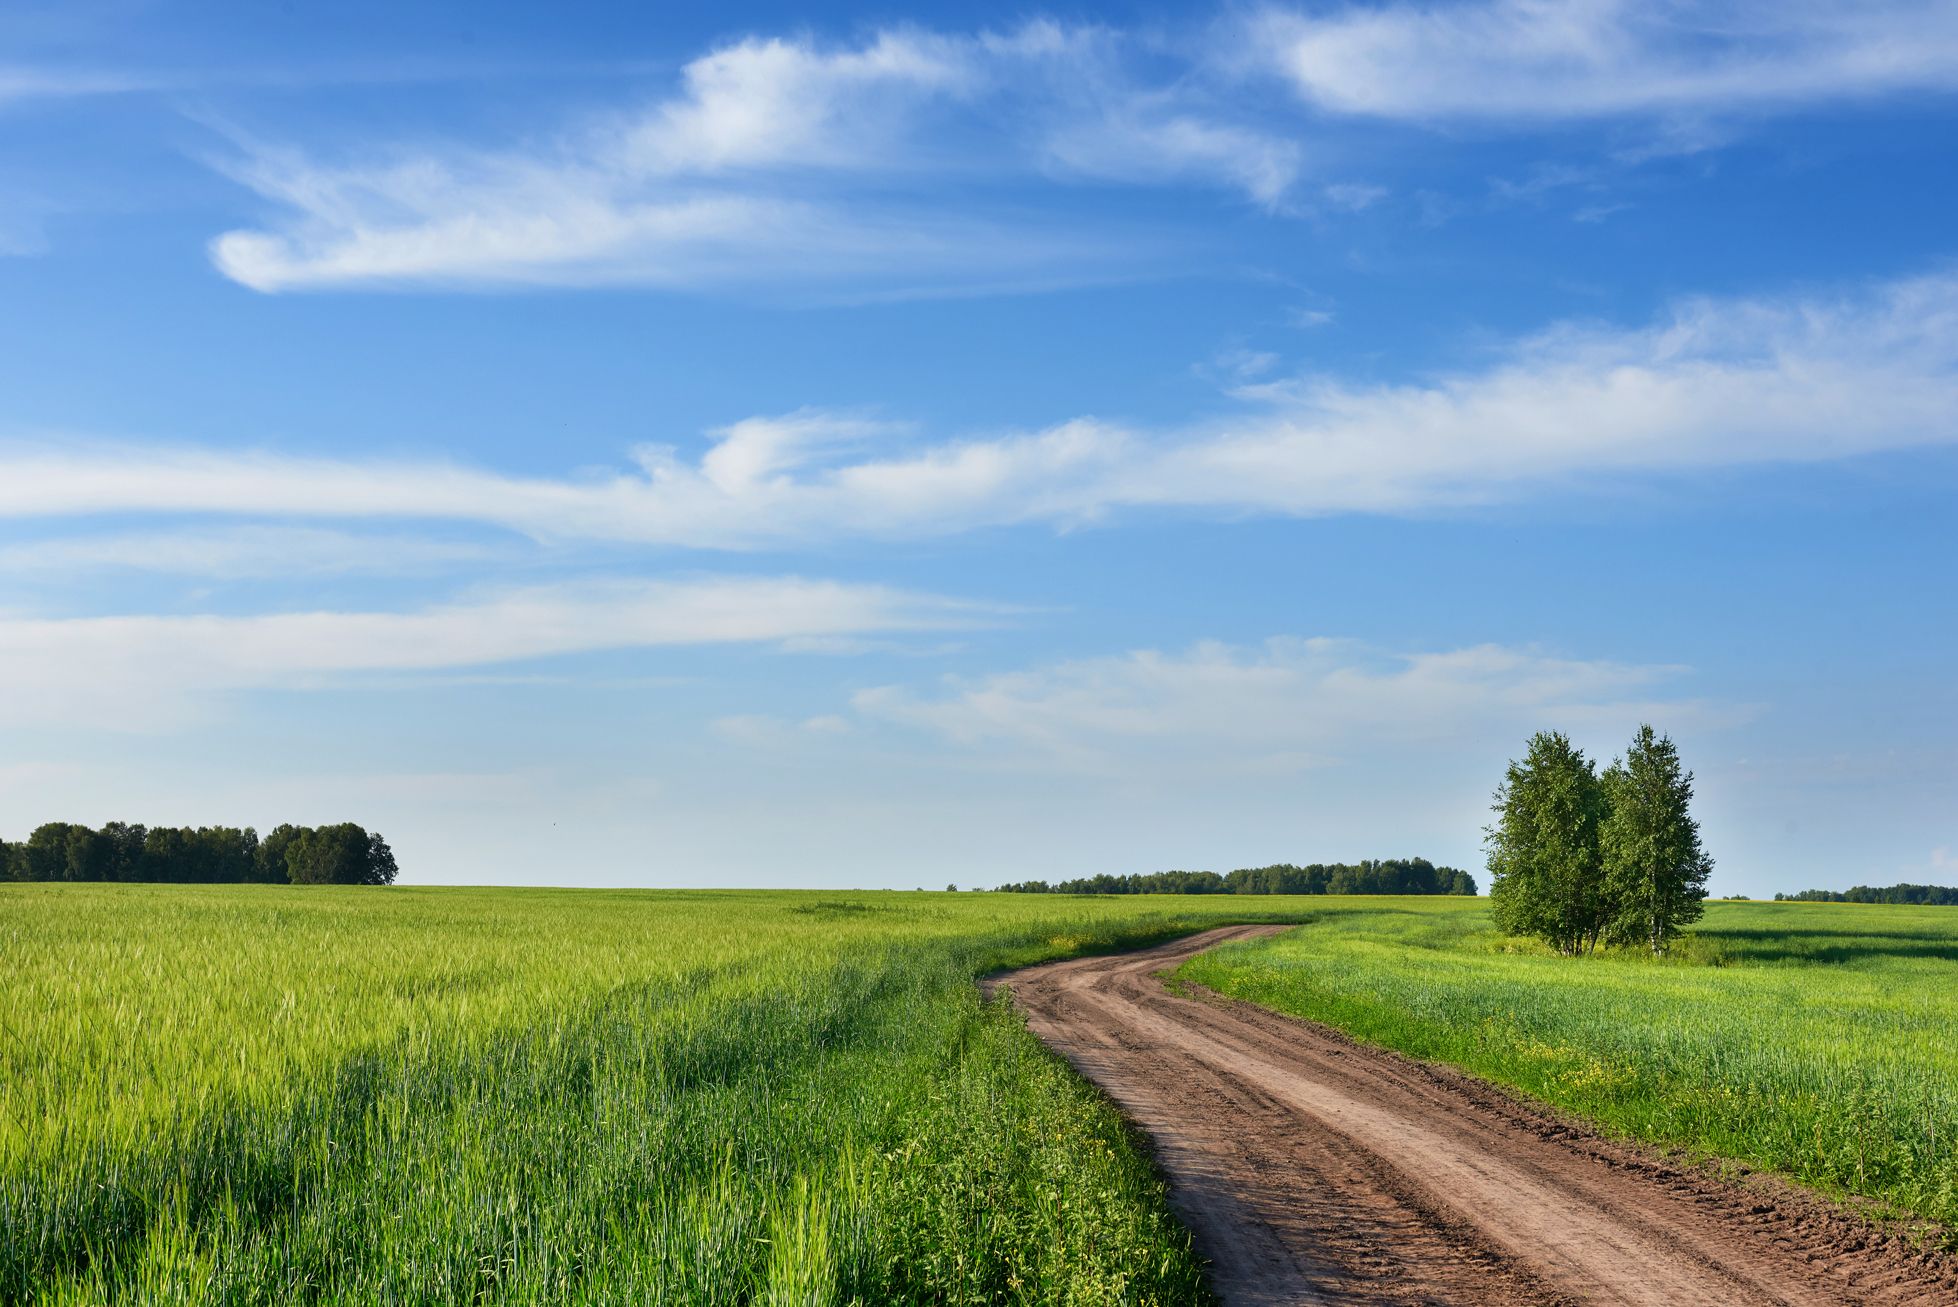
1316	1170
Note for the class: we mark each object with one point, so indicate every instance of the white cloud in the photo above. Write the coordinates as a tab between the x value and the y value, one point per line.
1714	383
242	552
1718	383
785	164
1216	755
776	161
137	670
18	83
769	102
1139	137
1553	59
1287	704
576	227
759	452
790	165
668	196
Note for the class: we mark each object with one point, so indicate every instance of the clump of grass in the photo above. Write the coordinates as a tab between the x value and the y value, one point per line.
1817	1040
261	1094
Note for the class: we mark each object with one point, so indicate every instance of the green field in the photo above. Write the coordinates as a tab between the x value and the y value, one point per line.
1819	1040
271	1094
274	1094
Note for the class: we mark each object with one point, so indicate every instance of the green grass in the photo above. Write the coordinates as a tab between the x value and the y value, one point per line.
274	1094
1817	1040
278	1094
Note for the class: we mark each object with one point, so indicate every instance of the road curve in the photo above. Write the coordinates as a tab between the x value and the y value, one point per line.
1311	1169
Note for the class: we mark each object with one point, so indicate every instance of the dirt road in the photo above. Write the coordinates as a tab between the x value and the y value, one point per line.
1314	1170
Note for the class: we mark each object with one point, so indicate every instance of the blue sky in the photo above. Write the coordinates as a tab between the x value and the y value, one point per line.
892	445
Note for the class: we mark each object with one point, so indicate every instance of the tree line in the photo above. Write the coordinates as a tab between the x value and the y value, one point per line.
345	854
1578	857
1936	895
1372	876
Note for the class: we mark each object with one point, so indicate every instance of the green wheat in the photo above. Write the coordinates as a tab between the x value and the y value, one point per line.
273	1094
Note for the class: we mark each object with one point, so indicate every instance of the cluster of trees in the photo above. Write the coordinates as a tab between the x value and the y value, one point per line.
1156	882
1937	895
1578	857
345	854
1373	876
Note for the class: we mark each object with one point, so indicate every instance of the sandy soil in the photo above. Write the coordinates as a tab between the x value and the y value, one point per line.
1315	1170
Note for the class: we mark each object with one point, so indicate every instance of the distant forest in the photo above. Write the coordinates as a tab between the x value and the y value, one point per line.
1941	895
1381	876
345	854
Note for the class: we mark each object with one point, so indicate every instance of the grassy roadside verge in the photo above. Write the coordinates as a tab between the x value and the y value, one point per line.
1816	1040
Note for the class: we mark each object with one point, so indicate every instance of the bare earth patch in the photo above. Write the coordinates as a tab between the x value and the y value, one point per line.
1316	1170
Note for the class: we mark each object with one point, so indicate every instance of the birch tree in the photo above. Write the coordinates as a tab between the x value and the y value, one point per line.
1655	870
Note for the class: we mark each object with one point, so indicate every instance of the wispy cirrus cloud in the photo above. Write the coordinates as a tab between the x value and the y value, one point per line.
1539	60
1289	703
1712	383
141	669
920	161
1140	143
244	552
1275	707
874	165
21	83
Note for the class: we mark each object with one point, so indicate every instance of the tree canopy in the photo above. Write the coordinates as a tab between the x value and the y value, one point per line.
1543	847
1577	858
1654	868
224	855
1935	895
1373	876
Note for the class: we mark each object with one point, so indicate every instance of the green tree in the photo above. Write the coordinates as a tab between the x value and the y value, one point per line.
271	866
87	855
344	854
380	869
1654	868
45	855
168	856
224	855
1544	860
327	855
124	845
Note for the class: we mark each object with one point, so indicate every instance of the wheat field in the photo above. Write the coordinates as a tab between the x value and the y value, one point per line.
281	1094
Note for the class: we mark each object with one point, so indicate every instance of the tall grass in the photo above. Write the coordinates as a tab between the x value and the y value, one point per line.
1818	1040
270	1094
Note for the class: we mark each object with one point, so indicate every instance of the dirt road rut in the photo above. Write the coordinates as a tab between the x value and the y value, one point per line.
1314	1170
